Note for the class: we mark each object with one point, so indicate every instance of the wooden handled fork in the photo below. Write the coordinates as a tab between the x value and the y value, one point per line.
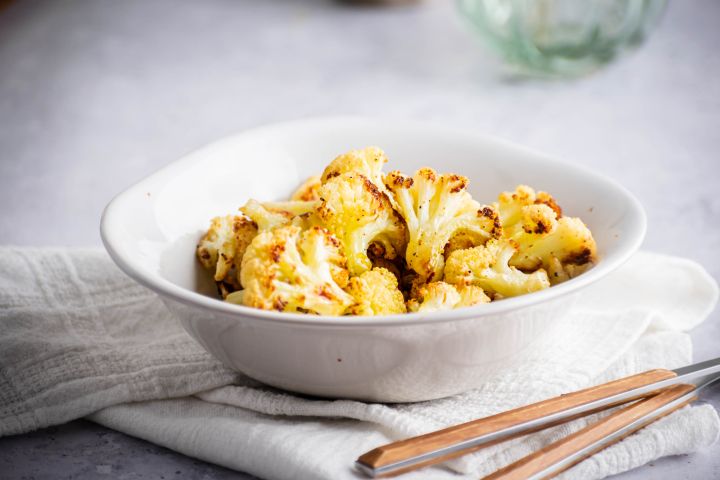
659	391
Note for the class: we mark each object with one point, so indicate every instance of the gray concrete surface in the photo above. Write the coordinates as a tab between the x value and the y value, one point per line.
95	94
82	449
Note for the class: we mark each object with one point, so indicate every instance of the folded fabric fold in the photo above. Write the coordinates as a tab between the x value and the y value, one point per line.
77	335
80	338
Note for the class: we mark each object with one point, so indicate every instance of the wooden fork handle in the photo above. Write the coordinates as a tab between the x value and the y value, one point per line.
547	462
394	453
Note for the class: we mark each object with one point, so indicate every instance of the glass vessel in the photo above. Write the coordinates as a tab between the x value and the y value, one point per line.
561	37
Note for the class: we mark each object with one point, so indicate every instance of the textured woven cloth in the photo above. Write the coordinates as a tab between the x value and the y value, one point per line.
78	338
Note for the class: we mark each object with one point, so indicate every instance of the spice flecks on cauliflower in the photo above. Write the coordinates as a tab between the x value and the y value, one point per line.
436	208
368	162
433	297
569	242
376	293
512	206
487	267
355	211
291	270
308	191
544	237
222	247
436	296
538	219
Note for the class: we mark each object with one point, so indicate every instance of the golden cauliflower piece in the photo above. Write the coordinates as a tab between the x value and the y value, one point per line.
308	191
511	206
269	215
376	293
568	245
291	270
436	296
487	267
544	237
471	295
461	241
436	208
222	247
356	212
368	162
538	219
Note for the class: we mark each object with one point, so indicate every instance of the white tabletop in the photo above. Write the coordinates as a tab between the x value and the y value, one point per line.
95	94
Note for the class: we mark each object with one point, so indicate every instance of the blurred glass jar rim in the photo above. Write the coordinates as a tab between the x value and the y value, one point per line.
561	37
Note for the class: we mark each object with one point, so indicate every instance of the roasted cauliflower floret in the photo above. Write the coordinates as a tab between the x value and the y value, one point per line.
269	215
512	206
308	191
436	296
568	243
487	267
368	162
544	238
471	295
433	297
291	270
436	208
222	248
462	241
376	293
357	213
538	219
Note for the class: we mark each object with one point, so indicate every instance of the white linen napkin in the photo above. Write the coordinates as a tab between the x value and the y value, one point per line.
77	336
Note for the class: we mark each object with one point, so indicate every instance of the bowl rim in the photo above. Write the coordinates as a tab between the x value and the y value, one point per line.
134	269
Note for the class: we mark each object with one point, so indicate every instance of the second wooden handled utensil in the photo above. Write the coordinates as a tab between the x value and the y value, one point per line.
662	391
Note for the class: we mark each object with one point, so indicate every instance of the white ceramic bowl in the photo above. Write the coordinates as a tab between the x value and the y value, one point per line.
152	228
